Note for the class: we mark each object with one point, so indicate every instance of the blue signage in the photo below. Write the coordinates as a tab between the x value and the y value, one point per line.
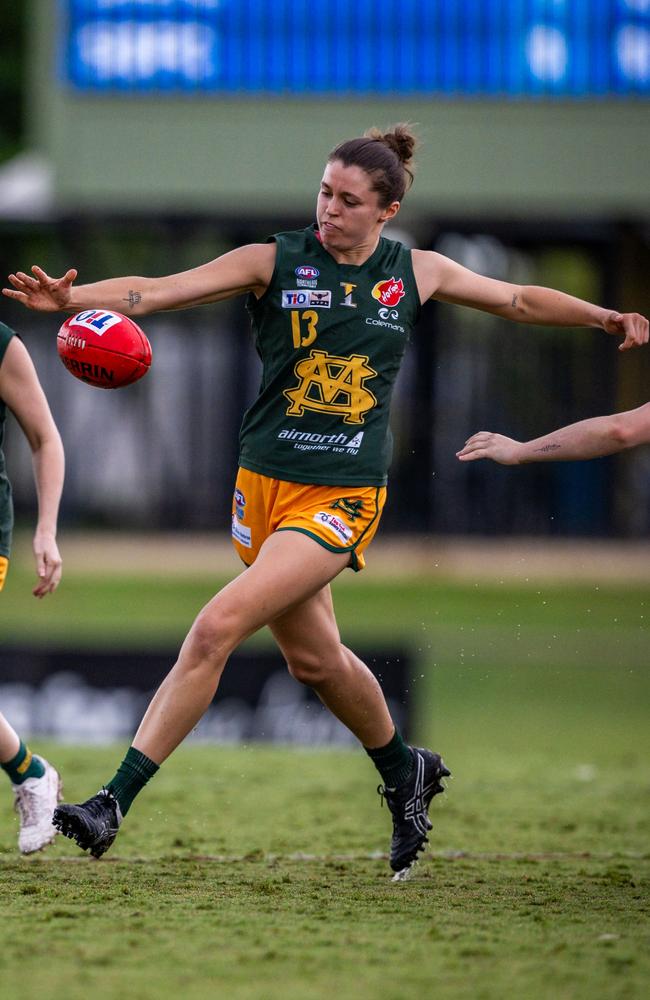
312	48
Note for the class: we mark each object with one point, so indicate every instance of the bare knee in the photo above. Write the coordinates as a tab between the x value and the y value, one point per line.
213	636
313	668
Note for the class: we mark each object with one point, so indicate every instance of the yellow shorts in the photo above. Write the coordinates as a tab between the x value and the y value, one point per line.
4	569
340	518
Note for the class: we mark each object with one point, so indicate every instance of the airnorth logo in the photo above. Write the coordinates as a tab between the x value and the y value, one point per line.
329	384
306	440
389	292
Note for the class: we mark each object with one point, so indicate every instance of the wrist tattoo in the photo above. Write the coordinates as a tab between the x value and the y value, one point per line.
134	298
549	447
515	299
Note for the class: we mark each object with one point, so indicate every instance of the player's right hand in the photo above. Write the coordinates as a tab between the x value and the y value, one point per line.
485	444
40	292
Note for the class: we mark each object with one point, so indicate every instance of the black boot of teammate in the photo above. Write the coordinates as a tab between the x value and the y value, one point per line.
93	824
408	804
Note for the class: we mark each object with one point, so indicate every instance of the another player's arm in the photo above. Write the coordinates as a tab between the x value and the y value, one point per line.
443	279
22	392
245	269
586	439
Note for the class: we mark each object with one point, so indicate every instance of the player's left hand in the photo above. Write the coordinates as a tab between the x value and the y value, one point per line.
48	564
485	444
632	326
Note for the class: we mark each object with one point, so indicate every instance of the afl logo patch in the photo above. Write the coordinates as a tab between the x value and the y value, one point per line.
307	271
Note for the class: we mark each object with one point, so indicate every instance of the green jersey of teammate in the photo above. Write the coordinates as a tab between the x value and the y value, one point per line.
331	338
6	508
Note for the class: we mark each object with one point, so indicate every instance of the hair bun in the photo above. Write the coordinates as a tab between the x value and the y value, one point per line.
400	139
387	157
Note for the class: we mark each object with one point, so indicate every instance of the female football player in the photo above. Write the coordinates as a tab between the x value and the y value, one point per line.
35	783
332	307
591	438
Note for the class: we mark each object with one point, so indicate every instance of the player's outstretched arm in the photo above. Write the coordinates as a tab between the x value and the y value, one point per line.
440	278
586	439
22	392
242	270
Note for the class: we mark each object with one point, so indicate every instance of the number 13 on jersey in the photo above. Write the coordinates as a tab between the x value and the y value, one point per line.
303	327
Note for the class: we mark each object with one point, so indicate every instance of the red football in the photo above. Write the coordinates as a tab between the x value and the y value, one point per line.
104	348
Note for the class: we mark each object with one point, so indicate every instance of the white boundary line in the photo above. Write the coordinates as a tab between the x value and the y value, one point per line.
302	858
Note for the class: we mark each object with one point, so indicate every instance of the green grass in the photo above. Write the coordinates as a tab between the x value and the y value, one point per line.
248	874
255	874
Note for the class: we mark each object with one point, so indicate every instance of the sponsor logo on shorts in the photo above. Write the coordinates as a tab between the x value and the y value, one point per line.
241	534
240	503
335	525
306	441
301	298
351	508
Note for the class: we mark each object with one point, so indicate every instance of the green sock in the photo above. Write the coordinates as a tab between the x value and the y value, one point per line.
23	766
394	761
131	777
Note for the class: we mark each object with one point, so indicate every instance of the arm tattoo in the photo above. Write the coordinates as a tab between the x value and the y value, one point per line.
515	299
134	298
549	447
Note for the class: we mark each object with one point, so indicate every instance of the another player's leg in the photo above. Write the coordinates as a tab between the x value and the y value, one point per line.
36	786
309	639
289	569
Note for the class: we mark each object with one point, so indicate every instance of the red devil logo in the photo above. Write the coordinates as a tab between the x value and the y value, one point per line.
389	292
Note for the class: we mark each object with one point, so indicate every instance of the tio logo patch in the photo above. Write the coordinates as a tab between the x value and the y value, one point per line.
96	320
301	299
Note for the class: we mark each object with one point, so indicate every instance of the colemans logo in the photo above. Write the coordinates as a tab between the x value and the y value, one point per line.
389	292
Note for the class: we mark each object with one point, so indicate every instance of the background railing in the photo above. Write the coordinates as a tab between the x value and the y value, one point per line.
163	453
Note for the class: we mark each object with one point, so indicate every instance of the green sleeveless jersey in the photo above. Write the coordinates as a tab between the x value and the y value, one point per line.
6	507
331	338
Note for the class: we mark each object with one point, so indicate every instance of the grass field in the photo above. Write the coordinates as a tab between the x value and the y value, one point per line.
258	873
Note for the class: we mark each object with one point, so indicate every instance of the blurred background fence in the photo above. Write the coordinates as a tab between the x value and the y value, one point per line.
163	453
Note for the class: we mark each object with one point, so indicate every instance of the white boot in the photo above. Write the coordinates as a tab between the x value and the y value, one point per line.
36	800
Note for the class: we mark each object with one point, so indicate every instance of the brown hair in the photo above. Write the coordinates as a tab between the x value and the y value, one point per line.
387	157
